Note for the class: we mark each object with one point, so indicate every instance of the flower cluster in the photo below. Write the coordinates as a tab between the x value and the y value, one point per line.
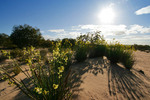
55	86
38	90
48	77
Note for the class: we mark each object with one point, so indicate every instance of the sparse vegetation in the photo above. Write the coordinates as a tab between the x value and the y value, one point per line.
97	51
142	47
4	55
43	54
81	54
114	52
16	68
48	75
48	82
16	53
127	59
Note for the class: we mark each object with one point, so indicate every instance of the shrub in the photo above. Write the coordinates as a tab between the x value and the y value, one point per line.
29	52
43	53
119	53
68	43
49	82
114	53
97	51
16	68
141	47
4	55
127	59
16	53
81	54
2	58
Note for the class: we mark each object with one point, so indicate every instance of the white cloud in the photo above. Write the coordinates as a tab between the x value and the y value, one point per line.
115	29
74	34
135	39
144	10
125	34
68	35
135	29
49	37
57	30
105	29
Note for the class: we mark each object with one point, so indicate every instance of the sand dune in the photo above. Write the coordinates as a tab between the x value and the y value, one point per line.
97	79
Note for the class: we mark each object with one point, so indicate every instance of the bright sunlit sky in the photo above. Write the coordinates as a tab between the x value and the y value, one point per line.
128	21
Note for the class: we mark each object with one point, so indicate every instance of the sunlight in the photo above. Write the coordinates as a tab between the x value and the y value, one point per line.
107	15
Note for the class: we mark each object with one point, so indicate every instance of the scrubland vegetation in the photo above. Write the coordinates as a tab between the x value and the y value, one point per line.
49	69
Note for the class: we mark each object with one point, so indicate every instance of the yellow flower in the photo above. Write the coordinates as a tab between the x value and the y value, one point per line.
66	59
59	76
55	86
29	61
11	83
38	90
32	69
46	92
32	48
60	62
9	57
61	69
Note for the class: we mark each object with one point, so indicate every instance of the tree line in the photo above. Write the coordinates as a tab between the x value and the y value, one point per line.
26	35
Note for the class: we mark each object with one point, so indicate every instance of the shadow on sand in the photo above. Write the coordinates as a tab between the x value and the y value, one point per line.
94	66
122	83
130	84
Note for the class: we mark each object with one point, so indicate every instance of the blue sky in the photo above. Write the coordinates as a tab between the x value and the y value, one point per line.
69	18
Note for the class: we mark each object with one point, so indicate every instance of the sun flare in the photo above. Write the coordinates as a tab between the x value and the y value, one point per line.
107	15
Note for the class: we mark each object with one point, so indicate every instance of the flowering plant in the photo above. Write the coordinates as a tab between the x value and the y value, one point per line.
46	81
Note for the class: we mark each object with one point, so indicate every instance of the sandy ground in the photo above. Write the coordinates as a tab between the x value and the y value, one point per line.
97	79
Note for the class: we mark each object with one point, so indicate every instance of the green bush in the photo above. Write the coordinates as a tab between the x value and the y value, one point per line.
114	52
48	81
16	53
127	59
81	54
97	51
4	55
16	67
2	58
43	53
119	53
141	47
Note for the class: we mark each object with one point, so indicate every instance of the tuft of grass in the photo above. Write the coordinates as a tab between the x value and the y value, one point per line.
43	53
97	51
16	53
2	58
127	59
114	52
4	55
16	68
81	54
118	53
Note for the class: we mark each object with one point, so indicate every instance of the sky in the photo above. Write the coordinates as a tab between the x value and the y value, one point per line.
128	21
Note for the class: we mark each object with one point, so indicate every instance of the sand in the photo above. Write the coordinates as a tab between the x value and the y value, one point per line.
97	79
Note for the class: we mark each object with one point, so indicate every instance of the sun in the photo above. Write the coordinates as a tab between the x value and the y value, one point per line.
107	15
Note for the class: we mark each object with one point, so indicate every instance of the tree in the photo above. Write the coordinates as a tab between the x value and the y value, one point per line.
46	43
68	42
25	35
5	40
93	38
